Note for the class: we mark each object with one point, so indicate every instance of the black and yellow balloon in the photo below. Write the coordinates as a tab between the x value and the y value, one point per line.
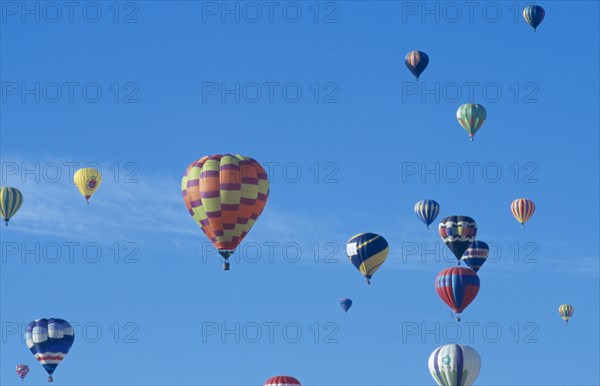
87	180
11	200
367	252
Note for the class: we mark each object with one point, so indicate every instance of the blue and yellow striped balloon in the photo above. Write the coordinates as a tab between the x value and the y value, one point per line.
367	251
11	200
427	211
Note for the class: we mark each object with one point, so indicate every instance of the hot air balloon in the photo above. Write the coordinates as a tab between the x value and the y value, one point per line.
367	251
22	371
11	200
454	365
458	287
533	15
225	194
522	209
417	62
471	116
282	380
427	211
88	181
346	304
476	255
49	340
566	311
458	233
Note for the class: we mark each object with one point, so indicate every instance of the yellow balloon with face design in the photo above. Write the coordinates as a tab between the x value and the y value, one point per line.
87	180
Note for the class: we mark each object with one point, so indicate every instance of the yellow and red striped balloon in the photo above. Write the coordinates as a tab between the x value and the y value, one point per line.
522	209
225	194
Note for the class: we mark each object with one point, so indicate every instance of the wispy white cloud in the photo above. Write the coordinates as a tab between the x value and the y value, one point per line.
152	209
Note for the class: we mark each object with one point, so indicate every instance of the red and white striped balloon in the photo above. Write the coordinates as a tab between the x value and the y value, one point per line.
282	380
522	209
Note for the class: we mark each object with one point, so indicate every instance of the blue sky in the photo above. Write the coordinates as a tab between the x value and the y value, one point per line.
140	89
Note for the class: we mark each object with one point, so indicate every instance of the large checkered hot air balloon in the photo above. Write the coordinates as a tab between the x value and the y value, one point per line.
225	194
49	340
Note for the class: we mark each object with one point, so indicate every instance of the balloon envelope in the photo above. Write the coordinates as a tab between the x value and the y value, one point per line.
416	62
346	303
533	15
471	116
458	233
88	180
282	380
225	194
566	311
22	371
427	211
454	365
522	209
367	251
50	341
11	200
457	287
476	255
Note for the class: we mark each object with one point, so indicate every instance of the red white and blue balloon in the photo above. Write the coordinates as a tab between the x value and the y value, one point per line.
22	370
476	255
49	340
